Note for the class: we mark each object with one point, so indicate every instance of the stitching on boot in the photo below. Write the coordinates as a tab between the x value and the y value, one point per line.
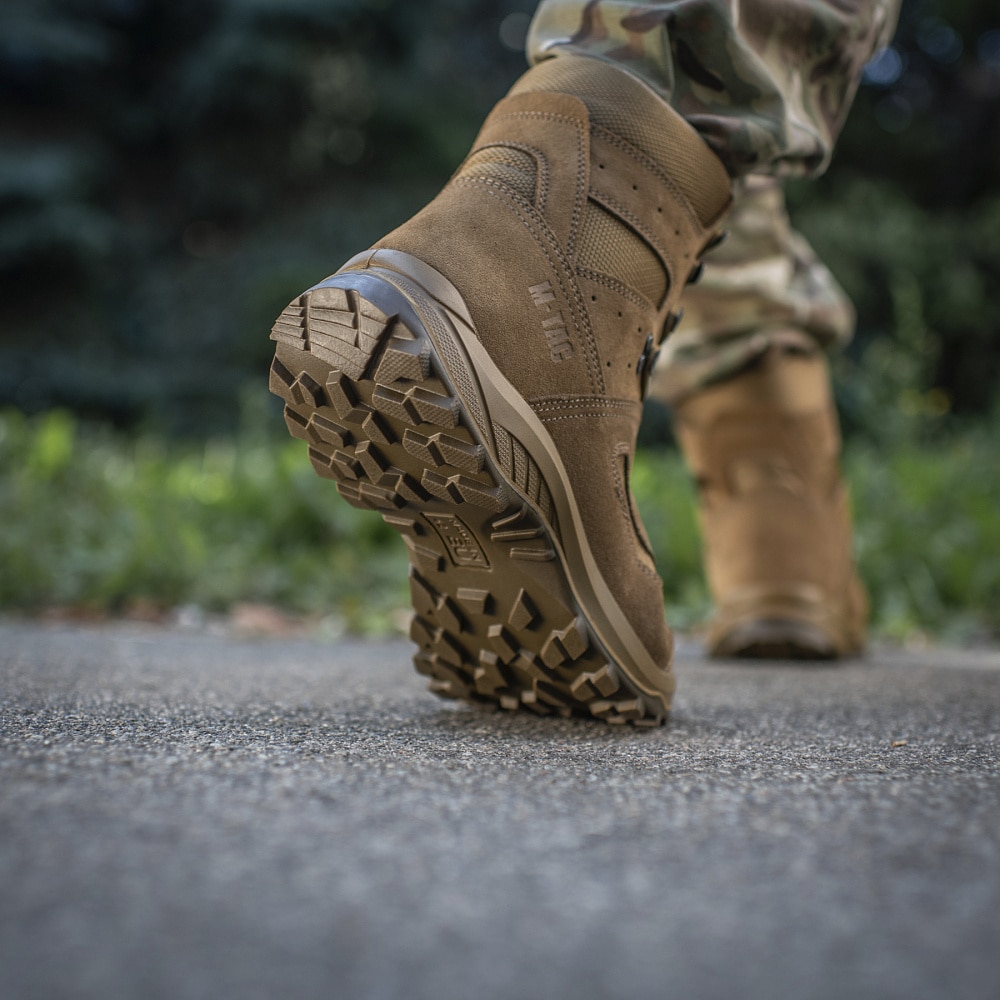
553	409
651	238
614	285
650	164
543	182
582	170
499	185
596	414
550	248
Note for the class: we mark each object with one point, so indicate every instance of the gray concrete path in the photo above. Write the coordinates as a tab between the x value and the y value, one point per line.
188	816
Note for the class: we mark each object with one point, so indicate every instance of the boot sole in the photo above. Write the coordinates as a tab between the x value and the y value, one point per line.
793	623
383	375
775	639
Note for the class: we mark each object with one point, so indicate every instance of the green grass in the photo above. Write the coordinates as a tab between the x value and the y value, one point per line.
94	519
100	520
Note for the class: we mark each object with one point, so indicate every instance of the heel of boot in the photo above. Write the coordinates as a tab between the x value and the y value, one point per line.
783	623
360	387
496	620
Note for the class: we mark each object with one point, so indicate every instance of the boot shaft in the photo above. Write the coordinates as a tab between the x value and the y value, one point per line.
776	527
580	223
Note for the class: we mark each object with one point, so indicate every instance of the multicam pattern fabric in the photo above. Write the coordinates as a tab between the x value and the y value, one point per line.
763	287
767	83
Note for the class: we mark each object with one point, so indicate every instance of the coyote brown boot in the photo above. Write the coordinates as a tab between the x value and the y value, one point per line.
776	529
476	377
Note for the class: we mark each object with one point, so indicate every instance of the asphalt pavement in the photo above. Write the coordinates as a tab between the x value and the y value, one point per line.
198	816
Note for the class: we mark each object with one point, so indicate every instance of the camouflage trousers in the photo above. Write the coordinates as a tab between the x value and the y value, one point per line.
763	287
768	84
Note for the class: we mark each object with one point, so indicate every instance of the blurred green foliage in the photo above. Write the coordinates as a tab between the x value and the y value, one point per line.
172	171
926	534
908	217
98	519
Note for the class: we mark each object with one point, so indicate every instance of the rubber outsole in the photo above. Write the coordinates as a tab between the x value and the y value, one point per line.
791	623
774	639
375	380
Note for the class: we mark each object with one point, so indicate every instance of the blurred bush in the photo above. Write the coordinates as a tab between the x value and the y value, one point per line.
173	171
908	218
158	524
168	524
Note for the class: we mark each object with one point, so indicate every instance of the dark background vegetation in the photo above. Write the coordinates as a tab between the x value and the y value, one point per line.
173	171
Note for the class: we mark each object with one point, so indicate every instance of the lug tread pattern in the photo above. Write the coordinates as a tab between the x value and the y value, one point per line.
494	620
519	467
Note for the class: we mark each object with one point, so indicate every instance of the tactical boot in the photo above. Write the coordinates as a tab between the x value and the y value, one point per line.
776	528
476	377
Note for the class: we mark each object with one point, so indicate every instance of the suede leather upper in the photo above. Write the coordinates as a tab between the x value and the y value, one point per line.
562	323
764	449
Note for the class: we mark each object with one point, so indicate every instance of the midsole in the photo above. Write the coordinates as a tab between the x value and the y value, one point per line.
507	408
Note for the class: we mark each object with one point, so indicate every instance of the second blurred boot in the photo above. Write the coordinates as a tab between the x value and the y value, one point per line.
763	447
477	376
